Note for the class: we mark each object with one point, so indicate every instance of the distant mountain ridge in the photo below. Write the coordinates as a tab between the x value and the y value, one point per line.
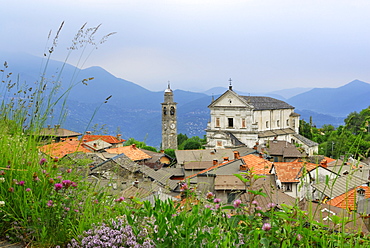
135	111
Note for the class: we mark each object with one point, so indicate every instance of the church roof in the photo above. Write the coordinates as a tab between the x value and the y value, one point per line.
266	103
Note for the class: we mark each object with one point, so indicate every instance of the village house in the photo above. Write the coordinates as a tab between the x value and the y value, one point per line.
244	120
57	134
281	151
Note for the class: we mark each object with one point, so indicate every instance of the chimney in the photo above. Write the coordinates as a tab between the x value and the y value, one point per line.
134	146
260	154
88	132
243	167
324	163
95	145
119	136
360	195
226	159
236	155
136	183
215	162
161	151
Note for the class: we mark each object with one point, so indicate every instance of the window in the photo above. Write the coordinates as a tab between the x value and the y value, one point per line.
267	124
172	111
278	123
217	122
219	143
293	123
288	187
230	122
243	122
287	122
164	110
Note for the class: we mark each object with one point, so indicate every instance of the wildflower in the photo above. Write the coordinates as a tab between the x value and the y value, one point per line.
266	227
28	190
67	209
76	210
259	214
184	187
51	180
207	206
258	208
2	173
50	203
11	189
237	203
121	199
44	171
69	170
96	201
58	186
217	200
74	184
42	161
299	237
210	195
21	183
67	183
2	179
217	206
271	205
254	203
56	159
59	177
36	179
2	203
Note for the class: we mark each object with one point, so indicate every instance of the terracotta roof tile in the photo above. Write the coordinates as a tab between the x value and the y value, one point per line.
348	199
291	171
61	149
257	165
107	138
134	153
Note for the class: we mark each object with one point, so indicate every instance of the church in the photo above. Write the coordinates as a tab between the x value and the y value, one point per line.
249	120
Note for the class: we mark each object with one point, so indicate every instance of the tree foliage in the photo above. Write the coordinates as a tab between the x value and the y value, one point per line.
351	139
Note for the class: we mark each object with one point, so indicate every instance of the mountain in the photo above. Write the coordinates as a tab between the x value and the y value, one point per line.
288	93
135	111
338	102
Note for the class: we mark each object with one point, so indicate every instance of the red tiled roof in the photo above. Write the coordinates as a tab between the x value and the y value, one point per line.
107	138
61	149
257	165
348	199
291	171
134	153
210	168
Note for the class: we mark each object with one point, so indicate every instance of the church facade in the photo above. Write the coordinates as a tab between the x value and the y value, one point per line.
247	120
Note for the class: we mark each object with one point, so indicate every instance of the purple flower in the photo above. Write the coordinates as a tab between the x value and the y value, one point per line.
2	173
184	187
36	179
266	227
58	186
69	170
207	206
67	209
121	199
217	200
217	206
74	184
258	208
50	203
254	203
271	205
42	161
28	189
21	183
237	203
11	189
67	183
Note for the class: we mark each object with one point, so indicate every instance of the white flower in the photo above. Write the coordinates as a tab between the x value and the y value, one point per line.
2	203
2	179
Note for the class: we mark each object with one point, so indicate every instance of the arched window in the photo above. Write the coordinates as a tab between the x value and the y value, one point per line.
164	110
267	124
278	123
172	111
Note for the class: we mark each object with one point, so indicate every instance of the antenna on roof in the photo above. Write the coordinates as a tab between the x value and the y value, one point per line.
230	86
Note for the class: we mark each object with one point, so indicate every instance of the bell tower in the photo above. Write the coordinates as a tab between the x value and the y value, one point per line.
169	121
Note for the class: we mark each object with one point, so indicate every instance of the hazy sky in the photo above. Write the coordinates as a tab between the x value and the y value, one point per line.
263	45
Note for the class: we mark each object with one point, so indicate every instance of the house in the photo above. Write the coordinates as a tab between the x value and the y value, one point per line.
98	145
193	161
244	120
132	152
57	134
297	178
60	149
157	160
115	141
281	151
350	199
